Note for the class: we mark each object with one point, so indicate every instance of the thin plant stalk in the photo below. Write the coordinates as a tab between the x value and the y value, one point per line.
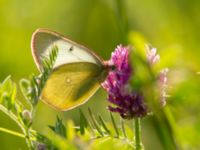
138	142
12	132
28	139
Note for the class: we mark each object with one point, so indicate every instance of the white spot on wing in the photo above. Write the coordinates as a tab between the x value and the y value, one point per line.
68	80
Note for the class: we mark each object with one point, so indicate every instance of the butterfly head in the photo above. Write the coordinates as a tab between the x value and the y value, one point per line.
109	66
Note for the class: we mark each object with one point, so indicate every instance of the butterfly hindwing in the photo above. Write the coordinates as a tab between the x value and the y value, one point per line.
71	84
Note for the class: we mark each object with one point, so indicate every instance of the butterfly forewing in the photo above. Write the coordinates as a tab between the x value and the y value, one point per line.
43	40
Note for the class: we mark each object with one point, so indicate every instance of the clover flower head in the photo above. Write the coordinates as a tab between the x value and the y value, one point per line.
126	102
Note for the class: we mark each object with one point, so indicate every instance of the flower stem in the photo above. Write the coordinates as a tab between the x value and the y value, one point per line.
12	132
28	140
138	142
121	17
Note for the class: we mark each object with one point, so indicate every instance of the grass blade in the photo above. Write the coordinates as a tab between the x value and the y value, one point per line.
123	128
103	124
114	124
95	123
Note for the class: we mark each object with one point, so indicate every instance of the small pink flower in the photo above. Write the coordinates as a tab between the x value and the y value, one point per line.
162	85
152	57
163	76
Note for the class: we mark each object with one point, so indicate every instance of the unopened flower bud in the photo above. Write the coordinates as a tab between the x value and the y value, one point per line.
27	115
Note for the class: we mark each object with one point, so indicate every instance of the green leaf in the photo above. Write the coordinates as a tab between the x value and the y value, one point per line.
104	124
123	128
95	123
5	88
24	85
83	122
59	128
49	61
8	92
114	124
13	95
6	84
70	130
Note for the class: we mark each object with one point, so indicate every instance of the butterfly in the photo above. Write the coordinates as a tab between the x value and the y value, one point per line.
77	72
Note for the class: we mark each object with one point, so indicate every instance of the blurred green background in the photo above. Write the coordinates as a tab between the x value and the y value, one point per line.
170	25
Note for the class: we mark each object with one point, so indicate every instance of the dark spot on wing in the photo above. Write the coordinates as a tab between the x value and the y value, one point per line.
71	48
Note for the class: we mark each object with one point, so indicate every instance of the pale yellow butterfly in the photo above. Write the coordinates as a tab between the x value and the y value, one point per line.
77	72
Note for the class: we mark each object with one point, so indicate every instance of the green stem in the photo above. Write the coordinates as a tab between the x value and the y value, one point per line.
15	133
122	20
12	132
28	139
138	142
